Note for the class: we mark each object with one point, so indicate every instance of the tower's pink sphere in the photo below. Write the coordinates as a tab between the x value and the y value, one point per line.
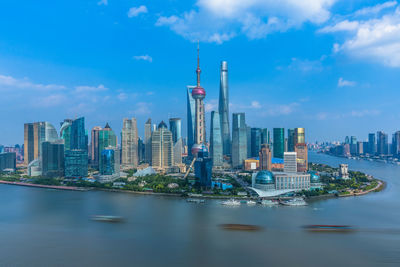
198	92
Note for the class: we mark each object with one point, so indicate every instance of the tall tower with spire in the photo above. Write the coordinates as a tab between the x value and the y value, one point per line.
198	93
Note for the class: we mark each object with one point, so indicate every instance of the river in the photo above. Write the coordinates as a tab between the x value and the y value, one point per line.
42	227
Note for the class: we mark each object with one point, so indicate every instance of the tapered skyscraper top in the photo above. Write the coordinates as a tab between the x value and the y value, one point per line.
223	108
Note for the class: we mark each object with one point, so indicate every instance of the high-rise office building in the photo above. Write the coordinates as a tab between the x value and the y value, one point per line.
299	136
110	162
141	150
34	135
255	141
175	126
107	138
178	147
265	157
302	157
78	139
191	118
223	109
216	146
94	146
291	140
382	143
290	162
8	160
265	136
353	145
53	159
203	168
147	141
279	142
396	143
65	133
129	143
162	147
248	137
239	139
76	163
360	148
371	144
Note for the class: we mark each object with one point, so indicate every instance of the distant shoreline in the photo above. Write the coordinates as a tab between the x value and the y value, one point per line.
59	187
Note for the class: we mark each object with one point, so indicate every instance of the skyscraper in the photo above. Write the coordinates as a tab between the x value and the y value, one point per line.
248	142
107	138
302	157
147	141
191	118
216	146
129	143
162	147
65	133
255	141
396	143
223	108
8	160
175	126
34	135
382	143
94	146
279	142
53	159
239	139
265	157
198	93
299	136
265	136
291	140
110	162
371	144
76	163
290	162
78	138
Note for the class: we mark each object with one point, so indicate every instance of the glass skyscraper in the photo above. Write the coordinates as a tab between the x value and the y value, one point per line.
216	149
78	138
53	159
291	140
162	147
110	161
147	141
248	135
191	118
382	143
107	138
76	163
265	136
279	142
239	139
255	141
223	108
129	143
175	126
371	144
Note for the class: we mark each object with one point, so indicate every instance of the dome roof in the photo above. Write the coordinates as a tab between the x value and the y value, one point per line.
314	177
198	92
265	177
162	125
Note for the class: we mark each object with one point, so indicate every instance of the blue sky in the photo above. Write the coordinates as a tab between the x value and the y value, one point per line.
328	65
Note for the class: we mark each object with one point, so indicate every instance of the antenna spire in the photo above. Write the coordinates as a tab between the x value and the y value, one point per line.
198	64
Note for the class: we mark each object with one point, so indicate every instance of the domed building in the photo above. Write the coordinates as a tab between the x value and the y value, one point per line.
315	181
269	184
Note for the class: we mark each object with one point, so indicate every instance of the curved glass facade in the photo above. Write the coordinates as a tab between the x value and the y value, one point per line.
223	108
216	139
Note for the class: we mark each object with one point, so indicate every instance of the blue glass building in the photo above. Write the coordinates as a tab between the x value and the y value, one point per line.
279	142
203	168
216	147
191	109
255	141
53	159
175	126
76	163
239	139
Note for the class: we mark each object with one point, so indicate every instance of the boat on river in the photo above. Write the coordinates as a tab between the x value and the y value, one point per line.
195	200
107	218
329	228
230	202
240	227
297	201
268	202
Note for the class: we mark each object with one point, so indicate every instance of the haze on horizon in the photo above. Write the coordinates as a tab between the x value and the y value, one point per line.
330	66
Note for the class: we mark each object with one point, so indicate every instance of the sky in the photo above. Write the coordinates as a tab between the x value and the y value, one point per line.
331	66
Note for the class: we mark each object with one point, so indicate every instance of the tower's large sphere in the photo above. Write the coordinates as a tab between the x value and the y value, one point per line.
198	93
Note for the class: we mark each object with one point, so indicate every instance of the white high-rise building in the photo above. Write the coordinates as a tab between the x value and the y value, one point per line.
129	143
290	162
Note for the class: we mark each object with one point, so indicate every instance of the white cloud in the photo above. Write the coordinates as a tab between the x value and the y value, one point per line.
255	104
143	57
342	82
122	96
142	108
306	65
11	82
220	20
135	11
48	100
83	89
363	113
103	3
375	9
211	105
376	39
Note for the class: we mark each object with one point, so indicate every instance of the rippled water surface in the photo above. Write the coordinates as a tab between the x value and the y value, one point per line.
41	227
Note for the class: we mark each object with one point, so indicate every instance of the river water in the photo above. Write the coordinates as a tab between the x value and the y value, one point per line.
41	227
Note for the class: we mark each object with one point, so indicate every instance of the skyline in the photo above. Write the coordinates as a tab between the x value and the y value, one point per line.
109	74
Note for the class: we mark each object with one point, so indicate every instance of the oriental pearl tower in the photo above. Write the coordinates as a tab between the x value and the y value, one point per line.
198	93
